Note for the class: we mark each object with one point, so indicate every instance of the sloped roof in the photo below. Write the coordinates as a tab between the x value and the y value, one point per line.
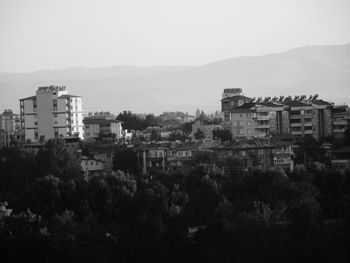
67	96
29	98
321	102
236	97
295	103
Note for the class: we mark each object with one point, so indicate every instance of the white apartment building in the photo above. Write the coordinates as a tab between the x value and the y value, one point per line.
51	113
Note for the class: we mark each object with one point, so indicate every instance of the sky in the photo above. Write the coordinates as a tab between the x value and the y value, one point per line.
57	34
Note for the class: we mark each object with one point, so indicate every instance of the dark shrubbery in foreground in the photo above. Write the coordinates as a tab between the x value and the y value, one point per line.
49	213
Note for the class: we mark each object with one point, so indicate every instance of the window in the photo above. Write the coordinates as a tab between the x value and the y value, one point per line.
92	162
55	115
249	131
36	123
54	102
36	136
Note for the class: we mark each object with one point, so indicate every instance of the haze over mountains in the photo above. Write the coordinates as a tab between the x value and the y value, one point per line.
307	70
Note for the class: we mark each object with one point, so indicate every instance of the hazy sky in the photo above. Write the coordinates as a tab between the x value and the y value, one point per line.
53	34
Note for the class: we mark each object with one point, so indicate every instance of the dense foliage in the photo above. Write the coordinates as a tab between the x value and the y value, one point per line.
50	214
132	121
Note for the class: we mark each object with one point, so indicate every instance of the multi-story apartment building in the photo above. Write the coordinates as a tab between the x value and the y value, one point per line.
263	154
101	123
258	118
51	113
10	121
300	117
10	126
231	99
340	120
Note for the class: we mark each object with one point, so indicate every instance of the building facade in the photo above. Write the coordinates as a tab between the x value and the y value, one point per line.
51	113
276	116
101	123
10	127
340	120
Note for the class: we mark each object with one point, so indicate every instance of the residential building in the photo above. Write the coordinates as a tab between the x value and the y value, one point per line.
91	166
247	117
51	113
102	123
341	159
10	126
232	98
152	157
10	121
340	120
206	127
257	153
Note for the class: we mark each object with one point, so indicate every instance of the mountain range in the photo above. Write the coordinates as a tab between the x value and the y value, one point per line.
324	70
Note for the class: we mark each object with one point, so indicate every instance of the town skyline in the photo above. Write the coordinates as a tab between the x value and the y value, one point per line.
319	70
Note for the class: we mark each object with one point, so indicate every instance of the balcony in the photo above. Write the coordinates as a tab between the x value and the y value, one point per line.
263	126
340	122
298	124
262	118
339	130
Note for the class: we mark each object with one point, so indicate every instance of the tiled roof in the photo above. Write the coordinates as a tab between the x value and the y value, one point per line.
270	104
237	97
29	98
67	96
295	103
321	102
246	107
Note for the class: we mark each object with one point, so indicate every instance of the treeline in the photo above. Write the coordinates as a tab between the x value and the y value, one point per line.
52	214
132	121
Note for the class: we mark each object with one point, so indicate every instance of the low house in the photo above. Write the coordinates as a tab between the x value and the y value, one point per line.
152	157
205	127
91	166
263	154
341	159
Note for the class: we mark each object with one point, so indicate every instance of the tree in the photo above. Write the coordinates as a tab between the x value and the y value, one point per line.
199	135
124	160
57	159
222	134
154	135
186	128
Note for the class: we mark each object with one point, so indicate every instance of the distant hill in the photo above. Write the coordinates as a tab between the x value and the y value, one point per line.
307	70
